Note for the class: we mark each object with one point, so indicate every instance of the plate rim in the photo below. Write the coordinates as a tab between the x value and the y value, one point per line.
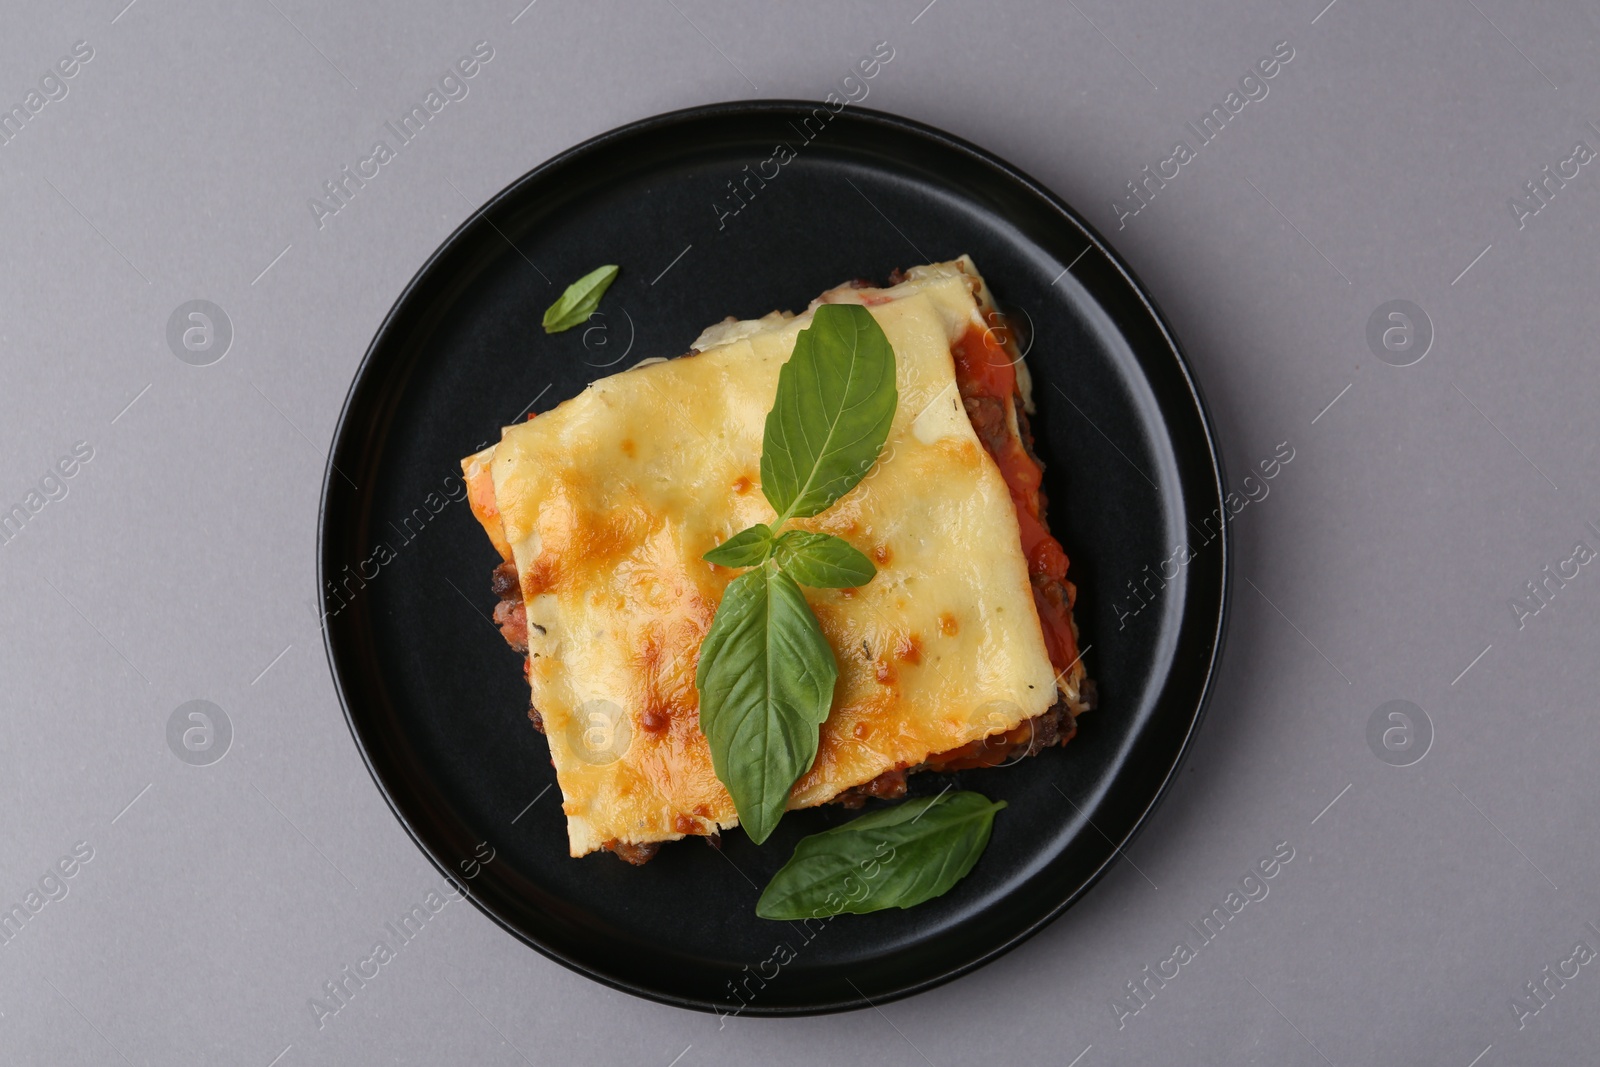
737	108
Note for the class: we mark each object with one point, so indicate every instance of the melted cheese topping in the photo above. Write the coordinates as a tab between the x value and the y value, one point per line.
609	500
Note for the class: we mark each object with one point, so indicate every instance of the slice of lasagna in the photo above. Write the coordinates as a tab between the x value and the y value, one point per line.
960	653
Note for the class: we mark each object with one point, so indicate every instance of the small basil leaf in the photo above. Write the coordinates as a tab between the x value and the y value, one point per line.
894	858
766	677
836	399
822	561
747	548
579	301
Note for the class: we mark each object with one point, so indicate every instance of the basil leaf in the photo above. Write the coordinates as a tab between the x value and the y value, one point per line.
894	858
747	548
579	301
836	399
766	677
821	560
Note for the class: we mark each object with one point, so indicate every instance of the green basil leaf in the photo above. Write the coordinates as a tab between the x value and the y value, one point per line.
821	560
579	301
766	677
747	548
836	399
894	858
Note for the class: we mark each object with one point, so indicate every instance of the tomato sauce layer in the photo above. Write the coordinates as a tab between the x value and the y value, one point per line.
987	379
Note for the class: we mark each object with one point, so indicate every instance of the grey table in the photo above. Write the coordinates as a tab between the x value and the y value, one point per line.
1428	543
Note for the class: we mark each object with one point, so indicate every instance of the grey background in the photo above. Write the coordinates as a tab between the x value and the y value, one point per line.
179	566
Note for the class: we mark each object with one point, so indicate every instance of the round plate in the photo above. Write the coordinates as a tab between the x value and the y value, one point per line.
709	217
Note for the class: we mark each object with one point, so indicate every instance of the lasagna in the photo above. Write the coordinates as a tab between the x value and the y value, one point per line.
961	652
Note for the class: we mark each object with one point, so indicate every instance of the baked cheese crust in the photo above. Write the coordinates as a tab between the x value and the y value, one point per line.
608	501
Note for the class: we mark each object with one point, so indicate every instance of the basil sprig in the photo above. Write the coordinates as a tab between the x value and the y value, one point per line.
578	302
894	858
766	673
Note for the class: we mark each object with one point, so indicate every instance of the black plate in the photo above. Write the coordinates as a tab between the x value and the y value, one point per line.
436	701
